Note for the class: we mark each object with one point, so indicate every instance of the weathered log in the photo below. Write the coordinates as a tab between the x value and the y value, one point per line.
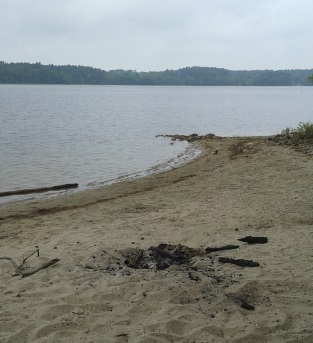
253	240
239	262
225	247
38	190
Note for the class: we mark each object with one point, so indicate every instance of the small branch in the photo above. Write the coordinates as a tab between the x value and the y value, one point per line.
25	259
25	273
20	269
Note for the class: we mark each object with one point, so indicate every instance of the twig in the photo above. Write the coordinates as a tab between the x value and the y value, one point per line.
20	269
42	266
25	259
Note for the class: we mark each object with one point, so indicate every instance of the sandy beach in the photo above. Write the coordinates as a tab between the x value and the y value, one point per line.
238	187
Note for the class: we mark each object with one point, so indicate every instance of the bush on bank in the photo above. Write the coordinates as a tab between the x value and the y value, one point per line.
303	132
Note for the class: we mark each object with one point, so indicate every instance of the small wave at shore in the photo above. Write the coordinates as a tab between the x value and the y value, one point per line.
190	153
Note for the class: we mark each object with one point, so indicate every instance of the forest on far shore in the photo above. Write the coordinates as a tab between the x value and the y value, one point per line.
37	73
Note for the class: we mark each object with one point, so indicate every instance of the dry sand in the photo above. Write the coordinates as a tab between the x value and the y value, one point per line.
266	190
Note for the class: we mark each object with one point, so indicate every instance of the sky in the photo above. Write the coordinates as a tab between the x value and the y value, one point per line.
155	35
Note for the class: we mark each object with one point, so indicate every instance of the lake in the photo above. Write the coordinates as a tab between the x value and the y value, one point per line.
93	135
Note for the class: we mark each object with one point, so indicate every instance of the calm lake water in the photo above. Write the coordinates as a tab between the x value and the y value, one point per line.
55	134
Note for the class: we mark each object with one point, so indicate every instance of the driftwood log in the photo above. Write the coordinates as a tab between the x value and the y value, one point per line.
239	262
39	190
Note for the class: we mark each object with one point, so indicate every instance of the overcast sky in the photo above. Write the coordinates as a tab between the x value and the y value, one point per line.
146	35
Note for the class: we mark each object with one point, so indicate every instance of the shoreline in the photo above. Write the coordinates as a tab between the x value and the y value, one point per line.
237	187
190	152
195	150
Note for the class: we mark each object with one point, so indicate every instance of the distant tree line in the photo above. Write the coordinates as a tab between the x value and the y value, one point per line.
36	73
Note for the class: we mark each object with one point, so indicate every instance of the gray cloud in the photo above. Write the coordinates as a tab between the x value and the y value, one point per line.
156	35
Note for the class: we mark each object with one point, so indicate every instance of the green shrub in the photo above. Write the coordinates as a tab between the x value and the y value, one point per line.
287	131
304	132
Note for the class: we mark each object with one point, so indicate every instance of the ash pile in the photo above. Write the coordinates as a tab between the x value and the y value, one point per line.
161	257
